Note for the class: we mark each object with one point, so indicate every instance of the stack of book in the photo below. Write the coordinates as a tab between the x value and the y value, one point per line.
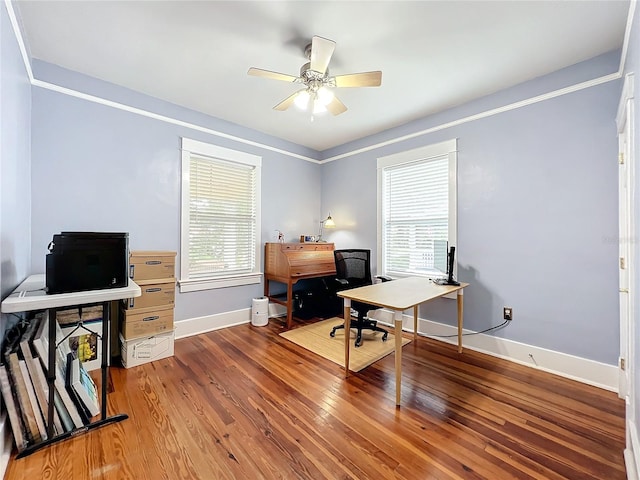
25	390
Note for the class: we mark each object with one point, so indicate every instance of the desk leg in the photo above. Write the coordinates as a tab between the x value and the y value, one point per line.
460	319
415	323
104	367
347	334
397	317
289	305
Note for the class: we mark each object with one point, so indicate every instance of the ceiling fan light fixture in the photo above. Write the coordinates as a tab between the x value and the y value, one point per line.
325	96
302	100
317	94
318	107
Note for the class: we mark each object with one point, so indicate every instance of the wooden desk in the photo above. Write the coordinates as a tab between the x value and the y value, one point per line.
399	295
289	262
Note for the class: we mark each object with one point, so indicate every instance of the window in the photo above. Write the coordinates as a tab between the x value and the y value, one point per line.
417	210
220	241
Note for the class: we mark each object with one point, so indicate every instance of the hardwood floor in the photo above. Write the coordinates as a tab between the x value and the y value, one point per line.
244	403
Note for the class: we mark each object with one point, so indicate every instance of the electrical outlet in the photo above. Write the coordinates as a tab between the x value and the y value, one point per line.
508	313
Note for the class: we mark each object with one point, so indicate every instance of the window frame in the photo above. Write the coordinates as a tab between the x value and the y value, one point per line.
448	148
201	150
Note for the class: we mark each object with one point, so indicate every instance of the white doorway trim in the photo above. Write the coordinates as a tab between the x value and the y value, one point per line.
628	247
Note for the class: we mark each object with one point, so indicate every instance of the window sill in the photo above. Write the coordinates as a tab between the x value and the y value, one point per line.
212	283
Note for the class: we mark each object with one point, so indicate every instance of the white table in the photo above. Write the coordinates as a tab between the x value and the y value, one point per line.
399	295
29	296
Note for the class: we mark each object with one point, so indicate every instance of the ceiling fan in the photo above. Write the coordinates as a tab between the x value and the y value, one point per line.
317	94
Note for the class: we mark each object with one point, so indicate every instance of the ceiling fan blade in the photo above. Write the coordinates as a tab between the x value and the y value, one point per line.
321	51
365	79
287	102
336	107
258	72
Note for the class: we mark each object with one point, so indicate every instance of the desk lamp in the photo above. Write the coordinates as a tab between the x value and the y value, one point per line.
326	223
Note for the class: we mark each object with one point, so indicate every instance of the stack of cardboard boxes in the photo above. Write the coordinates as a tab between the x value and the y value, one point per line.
146	322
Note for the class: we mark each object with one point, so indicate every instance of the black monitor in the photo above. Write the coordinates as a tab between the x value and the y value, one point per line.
449	280
451	259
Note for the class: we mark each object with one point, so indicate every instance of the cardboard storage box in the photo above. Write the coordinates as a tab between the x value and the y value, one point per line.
144	350
145	322
151	264
154	293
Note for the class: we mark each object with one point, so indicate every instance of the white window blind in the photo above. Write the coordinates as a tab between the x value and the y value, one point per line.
416	216
220	217
417	210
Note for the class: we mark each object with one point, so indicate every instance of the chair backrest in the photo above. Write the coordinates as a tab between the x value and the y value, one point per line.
353	265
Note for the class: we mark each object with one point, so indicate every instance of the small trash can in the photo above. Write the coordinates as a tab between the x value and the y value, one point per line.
260	312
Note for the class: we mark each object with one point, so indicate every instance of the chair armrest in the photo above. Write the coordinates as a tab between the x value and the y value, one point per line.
342	281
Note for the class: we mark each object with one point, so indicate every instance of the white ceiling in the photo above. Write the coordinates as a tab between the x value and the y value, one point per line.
433	54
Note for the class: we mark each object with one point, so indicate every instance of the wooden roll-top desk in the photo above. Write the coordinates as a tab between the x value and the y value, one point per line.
289	262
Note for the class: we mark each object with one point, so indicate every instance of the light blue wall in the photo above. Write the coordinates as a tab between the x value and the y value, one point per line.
84	84
537	196
98	168
15	162
537	211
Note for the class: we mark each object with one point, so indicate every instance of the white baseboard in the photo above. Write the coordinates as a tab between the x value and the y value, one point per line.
631	458
209	323
576	368
569	366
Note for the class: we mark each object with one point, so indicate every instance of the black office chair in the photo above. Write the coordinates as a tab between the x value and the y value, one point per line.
353	269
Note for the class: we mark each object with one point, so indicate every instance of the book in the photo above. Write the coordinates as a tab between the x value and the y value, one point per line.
81	408
37	375
22	398
42	392
19	434
65	418
37	413
69	405
83	385
40	342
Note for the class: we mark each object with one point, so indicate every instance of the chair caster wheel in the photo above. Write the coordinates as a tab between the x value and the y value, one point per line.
384	337
332	334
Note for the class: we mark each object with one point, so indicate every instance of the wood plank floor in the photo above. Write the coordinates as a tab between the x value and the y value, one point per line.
244	403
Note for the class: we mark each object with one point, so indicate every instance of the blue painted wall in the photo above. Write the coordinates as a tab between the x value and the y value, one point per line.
537	211
537	195
15	162
97	168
